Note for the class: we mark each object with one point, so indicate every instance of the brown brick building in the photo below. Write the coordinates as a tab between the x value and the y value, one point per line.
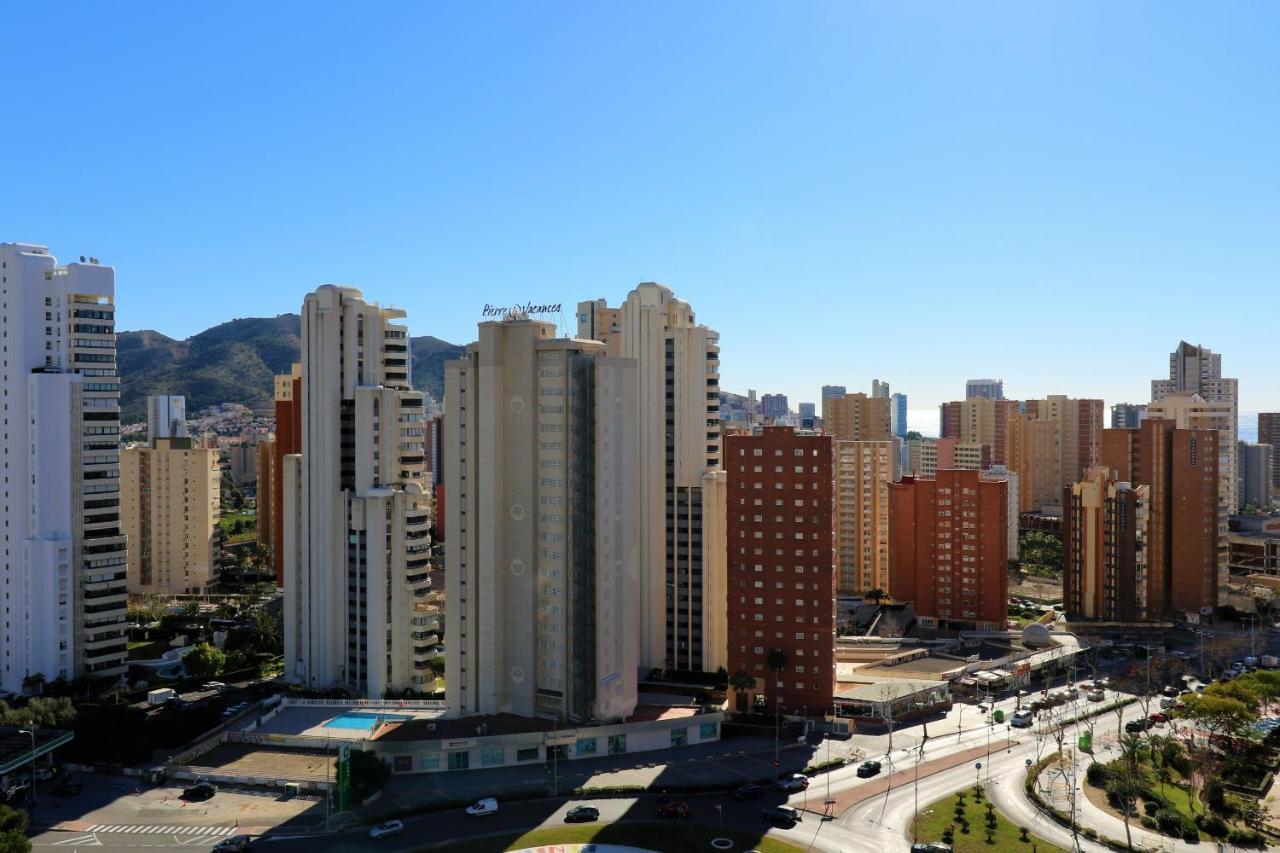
857	417
949	549
1181	468
1269	433
1104	536
288	394
782	577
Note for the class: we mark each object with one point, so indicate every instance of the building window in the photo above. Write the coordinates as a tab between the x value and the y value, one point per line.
708	731
430	761
617	744
679	737
459	760
586	746
529	753
493	757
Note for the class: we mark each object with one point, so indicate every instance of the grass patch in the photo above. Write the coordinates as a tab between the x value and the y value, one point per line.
147	649
248	522
941	819
666	837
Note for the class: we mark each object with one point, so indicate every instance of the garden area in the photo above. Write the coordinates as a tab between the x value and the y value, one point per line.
667	837
239	526
970	823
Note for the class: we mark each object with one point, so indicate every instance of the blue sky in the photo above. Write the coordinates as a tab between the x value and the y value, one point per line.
1052	193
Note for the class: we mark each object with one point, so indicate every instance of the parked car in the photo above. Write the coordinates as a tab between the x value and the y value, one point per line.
1167	704
784	816
1157	717
44	774
1171	691
233	844
212	685
680	810
1022	719
794	782
1138	726
750	791
1095	695
932	846
582	814
199	791
385	830
483	807
1071	692
868	769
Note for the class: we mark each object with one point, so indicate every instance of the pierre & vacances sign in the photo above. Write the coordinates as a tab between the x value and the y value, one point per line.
528	309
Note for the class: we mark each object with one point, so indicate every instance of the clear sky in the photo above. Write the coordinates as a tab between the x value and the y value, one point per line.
1052	193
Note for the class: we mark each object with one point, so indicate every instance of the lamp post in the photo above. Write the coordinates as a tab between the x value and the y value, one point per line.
977	775
959	723
777	750
31	735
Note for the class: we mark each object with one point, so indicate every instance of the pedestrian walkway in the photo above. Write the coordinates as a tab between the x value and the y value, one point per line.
167	830
850	797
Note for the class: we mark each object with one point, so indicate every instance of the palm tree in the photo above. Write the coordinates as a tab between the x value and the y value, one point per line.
33	682
742	681
875	596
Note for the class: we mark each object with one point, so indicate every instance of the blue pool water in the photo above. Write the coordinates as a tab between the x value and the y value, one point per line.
364	720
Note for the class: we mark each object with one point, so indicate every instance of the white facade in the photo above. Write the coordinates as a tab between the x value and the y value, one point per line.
64	554
680	437
166	416
356	513
544	563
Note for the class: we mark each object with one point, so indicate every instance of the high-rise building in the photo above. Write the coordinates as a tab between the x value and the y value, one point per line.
774	406
1189	411
922	457
898	415
830	392
357	515
64	559
1033	455
242	464
781	593
949	549
1255	474
980	420
544	569
1181	466
1198	370
265	510
1104	555
288	408
962	455
991	389
170	502
1127	415
879	389
166	416
864	470
857	417
1079	427
807	410
678	363
1269	433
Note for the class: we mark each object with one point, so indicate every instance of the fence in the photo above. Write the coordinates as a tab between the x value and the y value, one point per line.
372	704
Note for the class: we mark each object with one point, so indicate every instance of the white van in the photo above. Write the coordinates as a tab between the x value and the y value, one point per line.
483	807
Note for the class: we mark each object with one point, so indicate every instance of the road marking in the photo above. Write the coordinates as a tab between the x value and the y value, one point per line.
83	841
138	829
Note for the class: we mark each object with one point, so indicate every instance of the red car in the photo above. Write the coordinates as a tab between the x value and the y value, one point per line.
1158	717
673	809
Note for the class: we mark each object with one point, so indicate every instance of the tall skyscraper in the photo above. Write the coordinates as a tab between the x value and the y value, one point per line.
171	494
544	570
879	389
949	549
64	557
1127	415
898	415
1255	474
807	410
864	470
774	406
1033	455
833	391
678	425
357	514
991	389
1269	433
857	417
980	420
1184	574
1104	535
1079	427
781	594
166	416
1198	370
288	408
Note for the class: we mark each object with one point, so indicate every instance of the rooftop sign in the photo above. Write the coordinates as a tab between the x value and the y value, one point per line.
529	308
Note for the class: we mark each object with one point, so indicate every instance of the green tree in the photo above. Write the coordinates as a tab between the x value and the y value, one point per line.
204	661
41	712
13	831
1218	714
1038	548
33	683
369	774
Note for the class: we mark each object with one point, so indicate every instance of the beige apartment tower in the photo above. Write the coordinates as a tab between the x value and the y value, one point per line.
678	429
356	511
1033	454
543	484
857	417
1197	370
864	470
170	495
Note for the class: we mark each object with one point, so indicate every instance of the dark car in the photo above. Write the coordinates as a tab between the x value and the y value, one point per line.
750	791
868	768
234	844
582	814
931	847
1138	726
199	791
673	809
784	816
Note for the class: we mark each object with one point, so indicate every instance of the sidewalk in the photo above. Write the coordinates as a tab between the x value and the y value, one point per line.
850	797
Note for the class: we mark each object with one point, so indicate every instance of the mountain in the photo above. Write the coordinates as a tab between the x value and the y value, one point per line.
235	362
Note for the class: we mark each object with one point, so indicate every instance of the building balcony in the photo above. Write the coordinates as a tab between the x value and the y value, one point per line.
105	640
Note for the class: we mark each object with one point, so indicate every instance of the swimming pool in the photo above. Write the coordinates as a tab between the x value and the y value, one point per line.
364	720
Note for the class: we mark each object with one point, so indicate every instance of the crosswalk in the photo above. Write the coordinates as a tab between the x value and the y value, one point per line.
166	830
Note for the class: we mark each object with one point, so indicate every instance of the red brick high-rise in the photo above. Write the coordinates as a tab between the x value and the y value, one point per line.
949	549
1269	433
782	577
1181	467
288	398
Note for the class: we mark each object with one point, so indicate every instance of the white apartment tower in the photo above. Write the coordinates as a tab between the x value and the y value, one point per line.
64	552
682	582
356	509
544	561
1198	370
166	416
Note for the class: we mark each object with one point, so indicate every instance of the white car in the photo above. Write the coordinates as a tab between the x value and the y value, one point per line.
483	807
384	830
1021	719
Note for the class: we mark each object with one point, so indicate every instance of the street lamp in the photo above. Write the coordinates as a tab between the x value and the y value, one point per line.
31	735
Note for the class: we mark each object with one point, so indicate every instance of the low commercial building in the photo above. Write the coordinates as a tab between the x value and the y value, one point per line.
873	705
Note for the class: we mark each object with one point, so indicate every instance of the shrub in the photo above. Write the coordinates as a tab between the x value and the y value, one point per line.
1212	824
1151	806
1090	833
1246	838
1215	795
1149	822
1170	822
1191	836
1097	775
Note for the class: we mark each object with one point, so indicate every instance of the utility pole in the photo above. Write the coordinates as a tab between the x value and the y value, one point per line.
777	749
